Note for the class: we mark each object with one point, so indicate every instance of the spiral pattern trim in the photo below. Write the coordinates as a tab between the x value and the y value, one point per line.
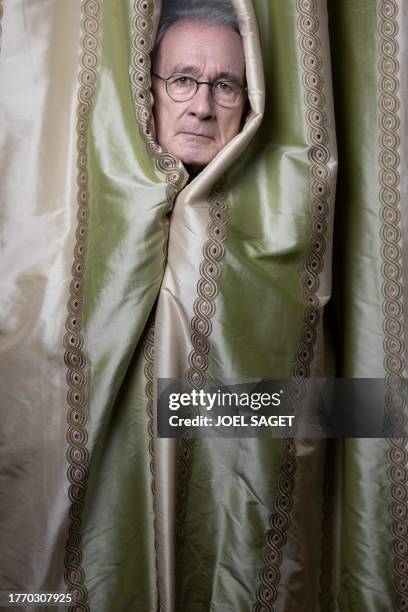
201	327
392	292
140	82
148	353
77	453
319	157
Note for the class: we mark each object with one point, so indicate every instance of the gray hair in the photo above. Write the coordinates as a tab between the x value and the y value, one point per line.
218	12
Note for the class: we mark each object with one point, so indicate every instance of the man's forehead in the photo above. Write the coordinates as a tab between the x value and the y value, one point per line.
194	69
192	47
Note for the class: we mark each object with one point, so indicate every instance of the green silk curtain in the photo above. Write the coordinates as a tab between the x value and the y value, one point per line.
285	258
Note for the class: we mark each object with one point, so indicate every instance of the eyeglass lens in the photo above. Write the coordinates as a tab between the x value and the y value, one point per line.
182	88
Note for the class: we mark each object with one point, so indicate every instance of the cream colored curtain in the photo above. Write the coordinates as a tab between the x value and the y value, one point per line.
285	258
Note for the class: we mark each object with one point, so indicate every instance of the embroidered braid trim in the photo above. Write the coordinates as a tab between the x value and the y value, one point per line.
75	361
207	290
392	291
319	156
142	45
201	327
140	82
148	352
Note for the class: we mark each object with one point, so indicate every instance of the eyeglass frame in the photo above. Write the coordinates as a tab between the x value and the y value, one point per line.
244	90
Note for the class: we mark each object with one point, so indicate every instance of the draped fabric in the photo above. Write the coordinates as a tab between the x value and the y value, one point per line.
284	258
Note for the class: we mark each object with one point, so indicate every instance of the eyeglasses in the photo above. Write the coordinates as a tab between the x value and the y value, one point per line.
183	87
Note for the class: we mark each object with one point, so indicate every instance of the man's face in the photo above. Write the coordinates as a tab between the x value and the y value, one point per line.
194	131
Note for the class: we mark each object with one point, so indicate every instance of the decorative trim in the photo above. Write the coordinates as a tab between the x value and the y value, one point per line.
319	156
77	454
392	291
201	327
276	535
207	289
148	352
140	81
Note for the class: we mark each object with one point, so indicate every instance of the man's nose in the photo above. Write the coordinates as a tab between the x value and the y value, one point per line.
202	103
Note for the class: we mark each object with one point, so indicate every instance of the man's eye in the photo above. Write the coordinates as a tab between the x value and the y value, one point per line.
183	81
223	86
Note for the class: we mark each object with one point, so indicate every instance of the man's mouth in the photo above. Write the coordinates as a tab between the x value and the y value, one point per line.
196	134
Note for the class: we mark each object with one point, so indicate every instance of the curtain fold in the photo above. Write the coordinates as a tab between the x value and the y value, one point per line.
369	295
39	58
284	258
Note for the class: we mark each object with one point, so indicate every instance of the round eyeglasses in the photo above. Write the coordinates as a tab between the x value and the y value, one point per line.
183	87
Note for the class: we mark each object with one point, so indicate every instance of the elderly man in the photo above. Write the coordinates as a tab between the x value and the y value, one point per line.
198	81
